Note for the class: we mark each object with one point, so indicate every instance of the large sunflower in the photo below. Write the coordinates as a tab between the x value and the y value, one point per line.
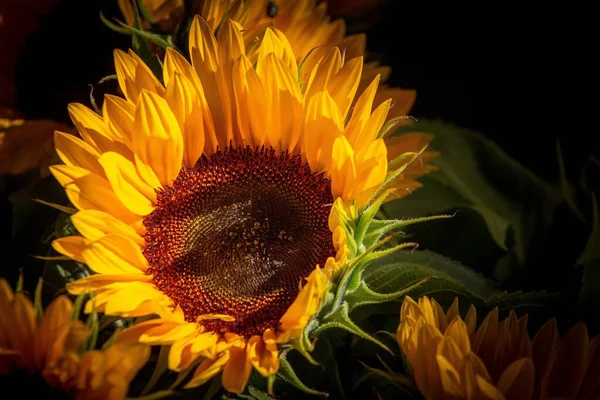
41	357
207	200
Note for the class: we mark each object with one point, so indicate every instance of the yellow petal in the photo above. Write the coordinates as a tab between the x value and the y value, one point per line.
75	152
237	370
134	298
207	370
591	382
544	347
449	377
284	103
185	351
361	112
99	282
186	107
517	381
176	63
128	186
94	224
488	390
344	174
118	115
205	60
569	364
93	129
274	42
157	331
91	192
323	125
457	330
56	317
304	306
264	357
22	315
115	254
127	299
134	76
71	246
157	140
66	174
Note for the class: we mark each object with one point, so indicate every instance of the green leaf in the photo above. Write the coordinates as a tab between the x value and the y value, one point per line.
473	171
447	278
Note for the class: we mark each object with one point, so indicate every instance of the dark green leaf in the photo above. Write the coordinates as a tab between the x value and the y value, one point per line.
447	278
473	171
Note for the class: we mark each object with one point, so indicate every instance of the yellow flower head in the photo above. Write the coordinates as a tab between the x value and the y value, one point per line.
45	350
453	359
206	199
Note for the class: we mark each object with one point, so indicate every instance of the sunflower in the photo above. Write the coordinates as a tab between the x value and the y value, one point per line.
26	144
207	201
453	359
40	355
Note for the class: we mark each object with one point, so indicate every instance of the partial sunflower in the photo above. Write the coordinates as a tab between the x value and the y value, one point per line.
207	200
453	359
41	357
26	145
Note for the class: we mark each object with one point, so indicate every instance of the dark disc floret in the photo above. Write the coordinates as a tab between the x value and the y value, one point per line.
236	234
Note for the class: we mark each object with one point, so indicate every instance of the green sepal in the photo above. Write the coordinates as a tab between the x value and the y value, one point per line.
114	27
379	228
77	306
93	325
93	100
287	374
304	345
389	374
339	318
376	255
68	210
37	300
391	124
365	217
19	287
363	295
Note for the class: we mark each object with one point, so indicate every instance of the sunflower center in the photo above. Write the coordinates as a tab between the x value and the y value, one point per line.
236	234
